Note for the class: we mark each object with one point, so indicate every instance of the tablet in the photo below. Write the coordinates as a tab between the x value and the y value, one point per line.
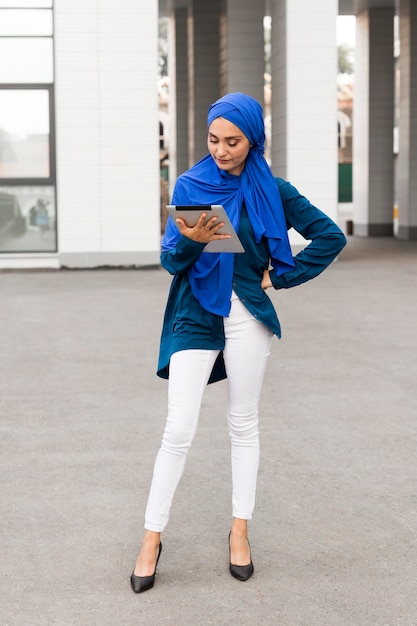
190	215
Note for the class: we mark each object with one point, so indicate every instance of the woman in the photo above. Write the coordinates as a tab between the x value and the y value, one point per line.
219	320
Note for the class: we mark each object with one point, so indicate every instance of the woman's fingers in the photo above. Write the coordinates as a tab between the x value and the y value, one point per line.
204	230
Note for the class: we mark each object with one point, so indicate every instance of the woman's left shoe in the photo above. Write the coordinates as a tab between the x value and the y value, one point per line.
143	583
241	572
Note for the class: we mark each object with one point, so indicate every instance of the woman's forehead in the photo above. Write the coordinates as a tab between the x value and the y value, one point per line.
221	126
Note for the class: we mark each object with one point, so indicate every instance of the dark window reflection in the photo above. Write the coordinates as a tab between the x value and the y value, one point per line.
27	219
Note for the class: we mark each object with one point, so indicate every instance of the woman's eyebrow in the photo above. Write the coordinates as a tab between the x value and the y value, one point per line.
228	138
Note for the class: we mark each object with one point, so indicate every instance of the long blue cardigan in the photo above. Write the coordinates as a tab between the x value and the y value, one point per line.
188	326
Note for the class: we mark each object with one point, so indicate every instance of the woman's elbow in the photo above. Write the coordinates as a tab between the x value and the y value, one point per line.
334	243
340	240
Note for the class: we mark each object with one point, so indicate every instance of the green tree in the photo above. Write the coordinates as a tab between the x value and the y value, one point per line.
345	59
163	47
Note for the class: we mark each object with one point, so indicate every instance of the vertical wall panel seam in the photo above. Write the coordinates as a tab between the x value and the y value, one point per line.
99	114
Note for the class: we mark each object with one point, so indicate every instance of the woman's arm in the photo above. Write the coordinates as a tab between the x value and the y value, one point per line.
327	240
180	258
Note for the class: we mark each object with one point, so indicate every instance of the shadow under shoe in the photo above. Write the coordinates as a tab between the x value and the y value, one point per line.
241	572
143	583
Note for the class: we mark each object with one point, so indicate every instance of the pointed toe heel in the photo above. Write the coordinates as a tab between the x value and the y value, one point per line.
140	584
241	572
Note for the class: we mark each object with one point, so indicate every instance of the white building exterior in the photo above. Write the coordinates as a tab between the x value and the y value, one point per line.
99	183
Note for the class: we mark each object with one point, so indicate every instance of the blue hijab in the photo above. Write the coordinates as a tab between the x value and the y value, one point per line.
204	183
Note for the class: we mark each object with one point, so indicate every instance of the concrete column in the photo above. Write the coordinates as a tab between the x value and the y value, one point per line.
178	99
373	115
203	71
407	158
303	101
242	56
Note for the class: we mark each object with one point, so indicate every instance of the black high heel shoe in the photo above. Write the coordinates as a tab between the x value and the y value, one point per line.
143	583
241	572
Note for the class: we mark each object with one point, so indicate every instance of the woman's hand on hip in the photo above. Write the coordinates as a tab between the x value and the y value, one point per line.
266	282
204	230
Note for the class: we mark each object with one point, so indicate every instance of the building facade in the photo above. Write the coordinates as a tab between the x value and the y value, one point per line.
80	121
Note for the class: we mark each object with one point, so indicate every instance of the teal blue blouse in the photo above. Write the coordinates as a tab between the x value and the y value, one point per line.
188	326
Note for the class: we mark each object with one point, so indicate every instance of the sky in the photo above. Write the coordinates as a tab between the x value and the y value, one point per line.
345	29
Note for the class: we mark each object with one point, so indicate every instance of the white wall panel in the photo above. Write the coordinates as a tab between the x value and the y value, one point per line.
304	106
107	130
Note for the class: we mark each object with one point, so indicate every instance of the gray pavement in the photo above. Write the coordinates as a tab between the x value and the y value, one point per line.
82	412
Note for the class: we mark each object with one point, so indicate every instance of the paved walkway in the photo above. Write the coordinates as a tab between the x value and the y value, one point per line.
81	416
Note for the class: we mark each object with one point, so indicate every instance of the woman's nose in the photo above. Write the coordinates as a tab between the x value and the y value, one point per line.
221	149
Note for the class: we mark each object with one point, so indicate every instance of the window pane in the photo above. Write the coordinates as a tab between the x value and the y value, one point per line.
32	60
26	3
27	219
24	133
22	22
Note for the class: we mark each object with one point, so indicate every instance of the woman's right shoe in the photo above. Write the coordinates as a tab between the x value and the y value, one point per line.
143	583
241	572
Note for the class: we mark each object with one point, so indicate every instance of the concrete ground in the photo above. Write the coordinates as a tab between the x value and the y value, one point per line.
82	412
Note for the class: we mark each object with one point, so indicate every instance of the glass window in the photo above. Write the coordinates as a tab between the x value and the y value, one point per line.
26	3
32	60
27	173
23	22
24	133
27	219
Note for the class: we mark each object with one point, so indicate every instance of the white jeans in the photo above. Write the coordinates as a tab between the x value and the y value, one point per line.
245	354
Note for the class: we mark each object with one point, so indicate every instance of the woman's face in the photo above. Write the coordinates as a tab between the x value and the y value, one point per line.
228	146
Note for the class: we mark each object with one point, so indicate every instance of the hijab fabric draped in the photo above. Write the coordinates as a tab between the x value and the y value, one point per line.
205	183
